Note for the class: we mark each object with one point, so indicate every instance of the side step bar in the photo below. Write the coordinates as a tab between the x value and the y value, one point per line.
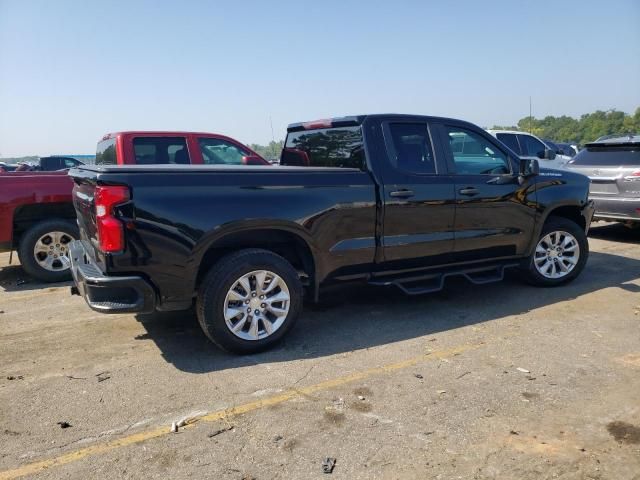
434	282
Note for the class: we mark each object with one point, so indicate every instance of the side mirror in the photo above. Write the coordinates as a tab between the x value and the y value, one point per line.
529	167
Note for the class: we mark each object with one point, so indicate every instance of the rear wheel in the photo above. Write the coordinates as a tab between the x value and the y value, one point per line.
249	300
560	254
44	249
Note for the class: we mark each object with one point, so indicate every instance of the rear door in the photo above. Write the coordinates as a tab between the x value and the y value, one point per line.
418	197
494	213
158	149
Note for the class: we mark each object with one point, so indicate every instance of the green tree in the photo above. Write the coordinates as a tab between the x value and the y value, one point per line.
271	151
583	130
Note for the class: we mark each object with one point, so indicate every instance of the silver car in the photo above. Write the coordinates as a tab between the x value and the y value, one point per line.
613	165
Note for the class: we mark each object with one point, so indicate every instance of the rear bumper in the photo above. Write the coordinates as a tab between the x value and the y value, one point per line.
130	294
617	208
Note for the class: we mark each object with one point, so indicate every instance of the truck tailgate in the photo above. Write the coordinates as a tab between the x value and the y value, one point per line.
84	204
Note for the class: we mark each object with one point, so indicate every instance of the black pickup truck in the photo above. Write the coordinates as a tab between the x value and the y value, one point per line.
390	199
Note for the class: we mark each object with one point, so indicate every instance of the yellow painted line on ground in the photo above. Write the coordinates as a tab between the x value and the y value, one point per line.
97	449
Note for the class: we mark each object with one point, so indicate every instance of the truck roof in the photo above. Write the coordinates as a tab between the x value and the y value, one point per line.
160	132
359	119
518	132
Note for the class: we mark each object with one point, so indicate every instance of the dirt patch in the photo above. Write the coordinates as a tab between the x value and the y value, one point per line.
630	360
624	432
290	444
530	395
363	392
333	417
361	406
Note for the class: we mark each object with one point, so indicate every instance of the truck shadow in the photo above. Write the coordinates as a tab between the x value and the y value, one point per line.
356	317
14	279
615	232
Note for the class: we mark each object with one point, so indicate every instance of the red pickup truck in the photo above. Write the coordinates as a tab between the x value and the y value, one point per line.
150	148
36	213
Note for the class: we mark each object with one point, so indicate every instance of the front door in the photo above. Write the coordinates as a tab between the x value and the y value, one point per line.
495	213
418	198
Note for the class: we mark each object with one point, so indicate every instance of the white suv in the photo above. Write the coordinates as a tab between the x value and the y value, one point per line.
527	145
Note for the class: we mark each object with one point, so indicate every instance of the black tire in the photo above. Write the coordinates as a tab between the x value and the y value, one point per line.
531	273
213	290
28	242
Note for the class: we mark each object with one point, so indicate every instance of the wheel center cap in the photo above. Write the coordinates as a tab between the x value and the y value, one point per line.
254	303
553	254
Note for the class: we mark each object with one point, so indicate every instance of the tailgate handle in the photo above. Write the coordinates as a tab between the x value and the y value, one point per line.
469	191
402	193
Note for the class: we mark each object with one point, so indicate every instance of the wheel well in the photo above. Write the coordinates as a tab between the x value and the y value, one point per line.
26	215
286	244
572	213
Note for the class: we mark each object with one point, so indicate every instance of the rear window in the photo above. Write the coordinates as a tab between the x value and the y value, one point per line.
608	156
106	152
328	147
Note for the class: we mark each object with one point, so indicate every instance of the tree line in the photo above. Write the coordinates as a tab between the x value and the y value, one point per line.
581	130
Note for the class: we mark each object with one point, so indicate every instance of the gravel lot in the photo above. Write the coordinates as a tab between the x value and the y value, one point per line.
497	381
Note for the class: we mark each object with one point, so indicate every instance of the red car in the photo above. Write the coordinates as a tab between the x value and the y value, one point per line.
36	213
148	148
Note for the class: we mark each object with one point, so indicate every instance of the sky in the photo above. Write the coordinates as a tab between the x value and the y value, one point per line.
71	71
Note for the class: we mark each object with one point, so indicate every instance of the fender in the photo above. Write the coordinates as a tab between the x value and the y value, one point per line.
218	236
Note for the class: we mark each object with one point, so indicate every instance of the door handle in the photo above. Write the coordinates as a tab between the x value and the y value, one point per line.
403	193
469	191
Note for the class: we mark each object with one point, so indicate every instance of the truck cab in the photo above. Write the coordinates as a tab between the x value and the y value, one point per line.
173	148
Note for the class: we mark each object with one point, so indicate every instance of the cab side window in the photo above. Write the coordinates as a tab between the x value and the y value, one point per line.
160	150
473	154
410	148
216	151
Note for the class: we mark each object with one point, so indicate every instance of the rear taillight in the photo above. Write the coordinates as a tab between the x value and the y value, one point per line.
110	229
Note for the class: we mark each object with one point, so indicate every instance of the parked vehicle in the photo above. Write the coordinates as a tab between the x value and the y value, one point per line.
390	199
38	220
568	149
613	165
7	167
36	212
44	164
527	145
56	162
153	148
565	149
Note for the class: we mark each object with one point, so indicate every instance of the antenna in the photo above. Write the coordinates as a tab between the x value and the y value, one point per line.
273	140
530	117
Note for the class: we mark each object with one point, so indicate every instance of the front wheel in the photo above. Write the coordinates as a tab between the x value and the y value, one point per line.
249	300
560	254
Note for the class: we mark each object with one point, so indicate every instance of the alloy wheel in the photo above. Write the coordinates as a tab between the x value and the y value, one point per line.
256	305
